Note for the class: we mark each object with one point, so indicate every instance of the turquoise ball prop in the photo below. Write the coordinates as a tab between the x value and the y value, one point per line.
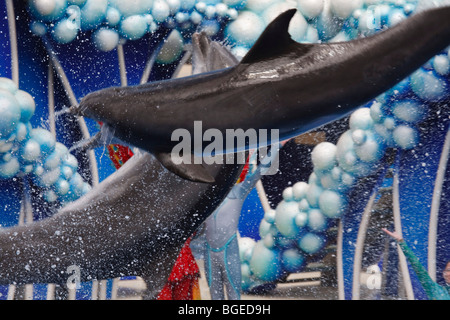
48	10
376	112
313	194
79	3
65	31
52	161
342	9
93	13
106	39
269	216
50	196
130	8
331	204
264	228
10	111
259	6
323	156
187	5
406	137
8	85
288	194
311	243
85	188
292	260
299	190
174	6
27	105
361	119
371	149
246	245
133	27
160	10
297	27
310	8
265	264
301	219
48	178
286	213
9	168
113	16
428	86
70	161
67	172
410	111
76	184
317	221
45	139
396	16
441	64
61	187
246	29
22	132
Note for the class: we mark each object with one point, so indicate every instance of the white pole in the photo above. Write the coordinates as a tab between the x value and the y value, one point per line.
360	240
13	41
398	228
339	262
435	205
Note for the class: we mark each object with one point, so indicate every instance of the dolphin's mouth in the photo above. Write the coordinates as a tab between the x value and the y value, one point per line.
75	110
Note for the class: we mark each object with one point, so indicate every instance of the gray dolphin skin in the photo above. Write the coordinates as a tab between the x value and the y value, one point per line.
134	223
280	84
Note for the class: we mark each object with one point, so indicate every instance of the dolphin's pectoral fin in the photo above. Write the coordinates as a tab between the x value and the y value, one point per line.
189	171
275	40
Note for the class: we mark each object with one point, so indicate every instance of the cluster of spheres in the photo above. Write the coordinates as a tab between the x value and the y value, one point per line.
34	152
112	22
317	20
296	229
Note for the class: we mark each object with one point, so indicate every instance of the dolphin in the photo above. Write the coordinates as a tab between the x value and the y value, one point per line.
134	223
279	85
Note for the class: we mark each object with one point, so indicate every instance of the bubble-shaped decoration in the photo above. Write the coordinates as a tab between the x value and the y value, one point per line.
311	243
331	204
292	260
428	86
310	8
132	7
106	39
48	10
93	13
406	137
323	156
265	263
10	111
246	29
27	105
286	213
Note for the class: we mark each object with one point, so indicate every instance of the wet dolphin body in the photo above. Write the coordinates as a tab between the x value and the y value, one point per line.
280	84
133	223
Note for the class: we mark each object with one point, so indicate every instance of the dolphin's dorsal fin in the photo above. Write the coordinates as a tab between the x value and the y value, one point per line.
274	40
